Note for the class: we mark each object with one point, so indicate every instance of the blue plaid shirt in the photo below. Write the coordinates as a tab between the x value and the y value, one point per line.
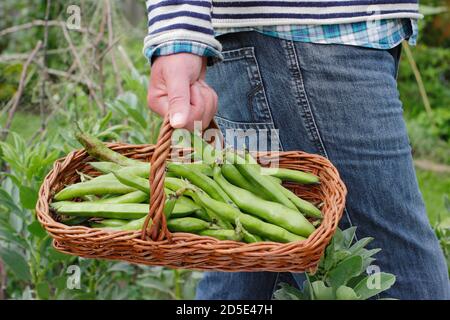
378	34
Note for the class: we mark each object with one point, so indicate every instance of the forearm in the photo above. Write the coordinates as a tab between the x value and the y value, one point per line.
180	26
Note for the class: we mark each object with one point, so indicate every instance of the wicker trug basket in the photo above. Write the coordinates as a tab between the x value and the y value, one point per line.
155	245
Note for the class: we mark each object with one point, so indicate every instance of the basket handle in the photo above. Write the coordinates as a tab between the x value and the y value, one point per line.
158	230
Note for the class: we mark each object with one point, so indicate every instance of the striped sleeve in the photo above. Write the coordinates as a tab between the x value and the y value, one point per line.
179	20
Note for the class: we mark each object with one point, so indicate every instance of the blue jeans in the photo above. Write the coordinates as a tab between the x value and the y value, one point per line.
341	102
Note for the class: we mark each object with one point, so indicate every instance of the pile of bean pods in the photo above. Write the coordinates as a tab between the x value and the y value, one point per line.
228	196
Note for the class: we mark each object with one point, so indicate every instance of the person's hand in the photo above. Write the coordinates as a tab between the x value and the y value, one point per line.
177	88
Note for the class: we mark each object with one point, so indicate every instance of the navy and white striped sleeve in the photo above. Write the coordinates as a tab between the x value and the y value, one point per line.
179	20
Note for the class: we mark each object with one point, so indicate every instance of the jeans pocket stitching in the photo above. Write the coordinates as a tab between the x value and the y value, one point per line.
259	91
302	98
237	54
257	102
238	124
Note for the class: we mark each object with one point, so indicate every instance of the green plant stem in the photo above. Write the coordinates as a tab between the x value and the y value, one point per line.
178	294
417	75
311	291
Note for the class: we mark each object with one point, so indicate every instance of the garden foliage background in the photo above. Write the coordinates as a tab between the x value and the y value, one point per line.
52	76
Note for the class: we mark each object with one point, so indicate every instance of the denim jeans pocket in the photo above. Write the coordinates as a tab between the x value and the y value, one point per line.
243	103
238	82
244	114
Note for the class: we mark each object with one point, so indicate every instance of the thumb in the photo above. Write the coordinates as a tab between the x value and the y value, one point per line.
178	92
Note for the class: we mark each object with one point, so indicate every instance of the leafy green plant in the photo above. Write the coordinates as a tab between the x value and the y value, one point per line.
35	270
341	273
425	138
132	106
442	230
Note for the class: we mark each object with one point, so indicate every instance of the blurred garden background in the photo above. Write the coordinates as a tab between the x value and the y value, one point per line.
56	70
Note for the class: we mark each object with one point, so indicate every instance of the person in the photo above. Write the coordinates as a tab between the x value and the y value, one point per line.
323	74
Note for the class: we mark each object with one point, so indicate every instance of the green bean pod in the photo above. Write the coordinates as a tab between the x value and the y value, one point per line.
252	173
251	238
201	214
204	151
133	181
132	225
74	221
212	216
142	184
132	197
200	180
92	187
265	184
221	234
200	167
175	184
184	207
187	224
275	179
232	174
100	151
142	169
218	220
169	206
105	166
269	211
291	175
126	211
250	223
245	235
305	207
105	223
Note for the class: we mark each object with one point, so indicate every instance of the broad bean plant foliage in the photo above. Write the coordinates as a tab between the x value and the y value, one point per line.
30	267
344	273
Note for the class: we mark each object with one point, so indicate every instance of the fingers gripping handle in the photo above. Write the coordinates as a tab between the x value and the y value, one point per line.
158	228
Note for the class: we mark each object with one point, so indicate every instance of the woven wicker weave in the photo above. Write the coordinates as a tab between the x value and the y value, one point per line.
157	246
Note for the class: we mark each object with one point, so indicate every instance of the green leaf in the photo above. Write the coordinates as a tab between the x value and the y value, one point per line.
321	291
328	259
369	253
121	267
8	234
7	201
84	296
288	292
129	99
367	262
60	282
55	255
349	235
104	122
354	281
43	290
14	179
136	116
338	240
355	249
374	284
345	270
36	229
16	263
341	255
157	285
346	293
